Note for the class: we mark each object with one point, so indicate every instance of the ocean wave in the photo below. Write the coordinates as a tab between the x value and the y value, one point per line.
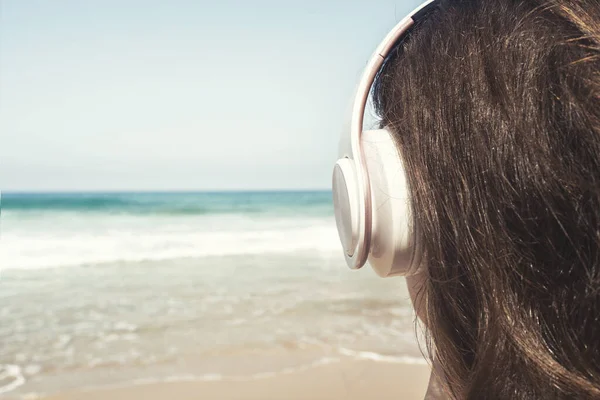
46	250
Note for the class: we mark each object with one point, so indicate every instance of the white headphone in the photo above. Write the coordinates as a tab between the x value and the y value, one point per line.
370	192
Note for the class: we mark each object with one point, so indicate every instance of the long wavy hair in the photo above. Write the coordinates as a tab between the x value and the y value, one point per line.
496	111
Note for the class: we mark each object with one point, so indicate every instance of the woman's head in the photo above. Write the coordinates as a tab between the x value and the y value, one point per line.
495	109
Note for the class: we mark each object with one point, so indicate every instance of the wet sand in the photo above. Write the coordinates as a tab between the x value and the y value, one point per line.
350	380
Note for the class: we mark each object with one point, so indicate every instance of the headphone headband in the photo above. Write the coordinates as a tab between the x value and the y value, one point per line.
374	65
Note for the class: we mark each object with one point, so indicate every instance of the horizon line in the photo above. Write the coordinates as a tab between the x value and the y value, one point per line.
150	191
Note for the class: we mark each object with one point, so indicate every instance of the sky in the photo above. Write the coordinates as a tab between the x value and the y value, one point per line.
180	95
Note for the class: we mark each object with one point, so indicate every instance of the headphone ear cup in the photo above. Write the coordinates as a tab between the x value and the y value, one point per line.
393	246
345	200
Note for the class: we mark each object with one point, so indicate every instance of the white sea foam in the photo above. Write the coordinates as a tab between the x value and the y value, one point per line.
135	243
12	376
365	355
368	355
34	396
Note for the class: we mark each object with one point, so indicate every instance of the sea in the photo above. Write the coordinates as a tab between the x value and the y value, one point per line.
116	289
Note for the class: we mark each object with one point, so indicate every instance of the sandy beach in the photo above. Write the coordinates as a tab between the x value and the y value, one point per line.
349	380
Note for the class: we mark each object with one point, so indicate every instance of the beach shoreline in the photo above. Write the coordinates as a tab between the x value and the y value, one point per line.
139	295
350	380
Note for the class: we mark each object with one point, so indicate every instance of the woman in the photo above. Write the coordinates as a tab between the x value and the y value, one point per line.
495	109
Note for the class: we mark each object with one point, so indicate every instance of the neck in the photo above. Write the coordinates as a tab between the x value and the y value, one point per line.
435	390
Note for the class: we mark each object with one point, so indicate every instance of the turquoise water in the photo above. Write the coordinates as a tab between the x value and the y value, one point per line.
75	229
172	203
102	289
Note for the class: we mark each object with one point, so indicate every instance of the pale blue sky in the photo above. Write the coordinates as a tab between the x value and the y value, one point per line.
192	95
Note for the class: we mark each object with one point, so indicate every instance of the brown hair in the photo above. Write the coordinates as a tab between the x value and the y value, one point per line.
495	109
